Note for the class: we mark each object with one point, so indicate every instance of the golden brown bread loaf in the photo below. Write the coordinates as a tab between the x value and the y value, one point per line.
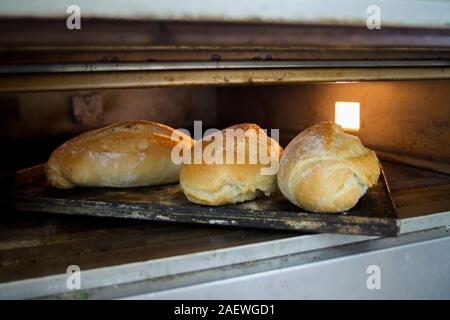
126	154
323	169
220	183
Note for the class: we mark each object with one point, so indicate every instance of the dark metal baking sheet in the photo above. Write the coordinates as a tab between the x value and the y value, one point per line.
373	215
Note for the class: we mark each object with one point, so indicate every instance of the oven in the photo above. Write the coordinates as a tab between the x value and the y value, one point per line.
186	67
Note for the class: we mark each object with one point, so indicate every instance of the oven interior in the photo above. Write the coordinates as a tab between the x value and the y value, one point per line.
403	120
406	122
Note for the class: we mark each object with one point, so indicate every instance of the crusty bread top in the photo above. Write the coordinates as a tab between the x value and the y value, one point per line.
218	184
265	143
124	131
327	139
110	156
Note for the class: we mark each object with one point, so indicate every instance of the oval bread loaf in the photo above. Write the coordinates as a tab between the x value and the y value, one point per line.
324	169
126	154
218	183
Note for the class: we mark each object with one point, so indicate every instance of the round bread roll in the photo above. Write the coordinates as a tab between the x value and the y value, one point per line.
252	172
126	154
323	169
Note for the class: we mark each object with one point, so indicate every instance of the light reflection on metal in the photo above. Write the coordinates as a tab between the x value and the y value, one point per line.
171	78
209	65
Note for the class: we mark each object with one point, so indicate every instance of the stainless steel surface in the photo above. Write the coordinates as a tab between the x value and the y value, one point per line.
424	222
343	12
210	65
413	265
171	78
142	271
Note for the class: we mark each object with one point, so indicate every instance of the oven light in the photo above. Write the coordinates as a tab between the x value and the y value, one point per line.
347	115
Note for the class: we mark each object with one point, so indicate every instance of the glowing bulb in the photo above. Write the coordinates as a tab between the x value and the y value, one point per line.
347	115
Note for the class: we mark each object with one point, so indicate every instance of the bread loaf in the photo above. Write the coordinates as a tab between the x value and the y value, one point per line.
324	169
127	154
219	183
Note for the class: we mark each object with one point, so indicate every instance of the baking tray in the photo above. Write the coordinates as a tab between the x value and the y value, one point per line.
373	215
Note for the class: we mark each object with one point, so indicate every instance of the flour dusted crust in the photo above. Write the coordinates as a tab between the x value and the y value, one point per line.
324	169
220	184
126	154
